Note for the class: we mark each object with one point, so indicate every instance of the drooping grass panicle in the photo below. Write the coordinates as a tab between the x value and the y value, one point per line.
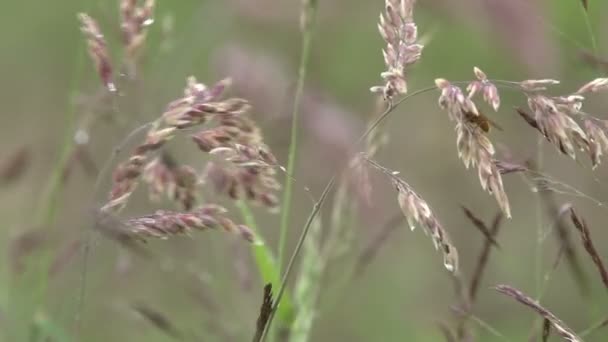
199	105
134	19
164	224
472	142
399	31
581	226
557	126
560	327
417	212
98	50
556	118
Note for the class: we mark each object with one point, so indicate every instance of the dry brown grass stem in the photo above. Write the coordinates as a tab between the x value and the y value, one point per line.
480	225
564	239
159	320
582	228
484	257
560	327
446	331
265	311
375	244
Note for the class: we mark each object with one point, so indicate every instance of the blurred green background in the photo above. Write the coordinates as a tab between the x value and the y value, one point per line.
207	284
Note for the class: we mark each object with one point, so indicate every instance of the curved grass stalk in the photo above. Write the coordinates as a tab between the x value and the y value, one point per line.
317	206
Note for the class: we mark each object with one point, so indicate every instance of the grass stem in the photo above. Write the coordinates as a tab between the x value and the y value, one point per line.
293	144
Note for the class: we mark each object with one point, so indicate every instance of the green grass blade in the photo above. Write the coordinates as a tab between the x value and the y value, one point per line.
267	265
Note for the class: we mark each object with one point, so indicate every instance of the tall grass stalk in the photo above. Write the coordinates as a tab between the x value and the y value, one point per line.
310	12
308	287
317	206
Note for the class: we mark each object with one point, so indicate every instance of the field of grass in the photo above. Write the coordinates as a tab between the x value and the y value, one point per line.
319	177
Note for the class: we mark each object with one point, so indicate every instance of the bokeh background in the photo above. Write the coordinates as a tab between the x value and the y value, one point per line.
208	284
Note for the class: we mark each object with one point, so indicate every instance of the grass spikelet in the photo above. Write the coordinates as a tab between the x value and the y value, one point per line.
399	31
582	228
560	327
134	21
487	89
98	50
417	212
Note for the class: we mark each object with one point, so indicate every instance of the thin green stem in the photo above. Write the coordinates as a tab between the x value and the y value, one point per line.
489	328
594	327
309	221
291	161
49	204
589	27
